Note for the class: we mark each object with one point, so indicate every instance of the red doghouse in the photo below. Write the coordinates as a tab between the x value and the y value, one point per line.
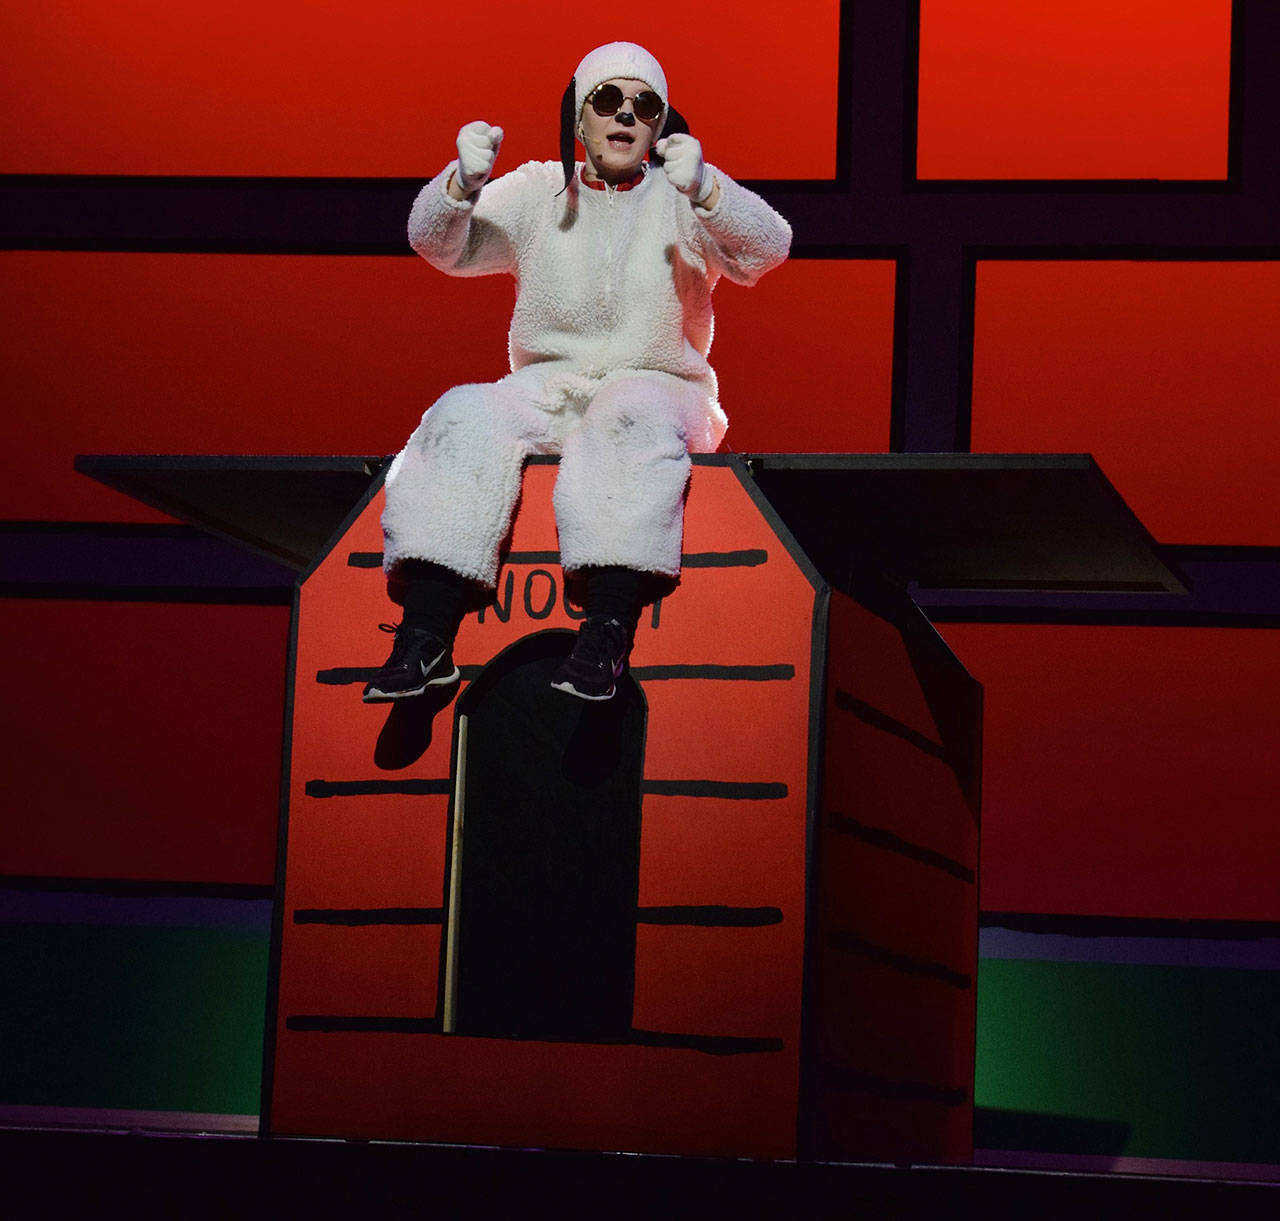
731	912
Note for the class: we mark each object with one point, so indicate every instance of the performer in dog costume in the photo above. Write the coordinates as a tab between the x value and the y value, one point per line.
614	263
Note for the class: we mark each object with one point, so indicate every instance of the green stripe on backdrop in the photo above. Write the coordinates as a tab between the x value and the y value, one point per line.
1144	1061
132	1018
1118	1059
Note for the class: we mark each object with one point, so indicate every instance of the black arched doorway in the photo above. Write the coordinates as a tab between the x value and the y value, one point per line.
541	929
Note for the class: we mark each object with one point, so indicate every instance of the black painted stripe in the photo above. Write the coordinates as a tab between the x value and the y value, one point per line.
131	887
1129	926
880	838
531	557
106	530
341	676
1069	926
749	558
242	214
201	595
848	943
730	790
1221	553
105	561
868	713
1214	602
747	674
353	916
845	1078
733	790
376	788
715	1045
1256	620
724	559
329	1024
344	676
710	915
700	916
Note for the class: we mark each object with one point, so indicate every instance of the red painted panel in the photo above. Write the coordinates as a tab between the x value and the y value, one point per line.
885	765
370	970
903	1028
805	357
890	1129
1074	88
706	981
719	981
123	353
717	710
585	1096
682	850
903	905
376	88
199	354
875	667
896	936
397	860
1128	771
143	740
1168	373
873	771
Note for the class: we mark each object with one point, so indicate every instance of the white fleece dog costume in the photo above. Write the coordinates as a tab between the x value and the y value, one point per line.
608	348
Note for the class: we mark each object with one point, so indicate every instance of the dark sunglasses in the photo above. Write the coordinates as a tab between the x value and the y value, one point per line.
607	100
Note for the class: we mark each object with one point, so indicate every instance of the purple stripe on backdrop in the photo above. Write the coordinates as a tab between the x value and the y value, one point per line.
105	1119
157	911
1256	954
178	556
1087	1163
254	915
1238	586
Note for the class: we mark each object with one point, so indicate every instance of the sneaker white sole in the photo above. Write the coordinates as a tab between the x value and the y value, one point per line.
375	696
570	689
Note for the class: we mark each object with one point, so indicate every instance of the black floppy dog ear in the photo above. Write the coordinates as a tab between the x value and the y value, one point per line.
568	120
675	126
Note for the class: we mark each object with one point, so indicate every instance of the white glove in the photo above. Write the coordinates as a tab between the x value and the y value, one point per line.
682	160
478	145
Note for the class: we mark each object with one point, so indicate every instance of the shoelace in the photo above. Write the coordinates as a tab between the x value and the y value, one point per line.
404	642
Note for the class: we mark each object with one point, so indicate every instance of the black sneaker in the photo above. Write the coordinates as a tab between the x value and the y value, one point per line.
598	659
418	660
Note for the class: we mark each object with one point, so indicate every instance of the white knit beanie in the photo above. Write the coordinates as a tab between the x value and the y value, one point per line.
613	61
618	61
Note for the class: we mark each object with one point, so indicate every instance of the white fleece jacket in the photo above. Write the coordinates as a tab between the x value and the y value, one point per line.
607	281
608	348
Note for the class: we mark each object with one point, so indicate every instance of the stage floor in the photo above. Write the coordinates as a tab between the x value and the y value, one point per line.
68	1173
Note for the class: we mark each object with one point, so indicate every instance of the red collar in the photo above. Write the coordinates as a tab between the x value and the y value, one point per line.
634	181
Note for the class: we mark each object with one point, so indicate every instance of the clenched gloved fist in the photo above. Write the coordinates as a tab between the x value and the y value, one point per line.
682	160
478	145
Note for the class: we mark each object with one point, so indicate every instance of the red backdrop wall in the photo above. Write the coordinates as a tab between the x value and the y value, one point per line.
379	88
1168	373
1128	771
143	740
1074	89
195	353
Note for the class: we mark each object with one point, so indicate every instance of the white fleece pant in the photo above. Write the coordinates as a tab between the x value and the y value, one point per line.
624	442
